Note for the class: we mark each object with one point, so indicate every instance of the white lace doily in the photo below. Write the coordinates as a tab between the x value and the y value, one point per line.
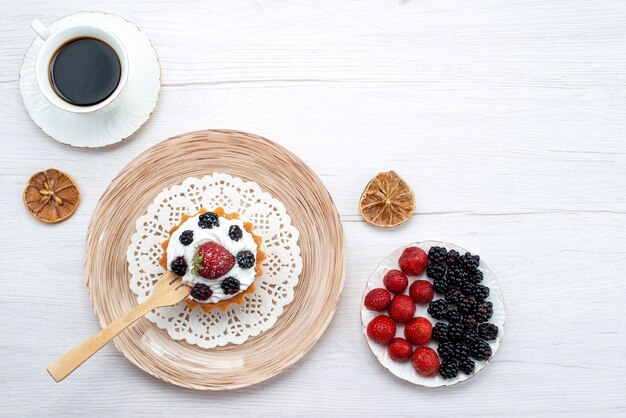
274	289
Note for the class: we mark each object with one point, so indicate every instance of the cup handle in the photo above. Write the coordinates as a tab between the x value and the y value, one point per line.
42	31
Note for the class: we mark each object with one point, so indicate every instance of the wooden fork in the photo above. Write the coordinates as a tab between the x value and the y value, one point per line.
169	290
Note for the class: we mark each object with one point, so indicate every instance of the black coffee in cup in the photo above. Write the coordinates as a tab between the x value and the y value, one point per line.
85	71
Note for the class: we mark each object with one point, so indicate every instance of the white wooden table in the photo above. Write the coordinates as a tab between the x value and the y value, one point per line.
508	119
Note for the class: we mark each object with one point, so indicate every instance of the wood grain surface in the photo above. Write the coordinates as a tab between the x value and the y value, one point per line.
507	118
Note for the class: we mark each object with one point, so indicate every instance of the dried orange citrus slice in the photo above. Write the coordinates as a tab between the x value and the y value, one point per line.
51	196
387	200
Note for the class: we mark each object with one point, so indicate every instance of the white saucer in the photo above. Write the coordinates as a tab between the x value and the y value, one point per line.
97	130
404	370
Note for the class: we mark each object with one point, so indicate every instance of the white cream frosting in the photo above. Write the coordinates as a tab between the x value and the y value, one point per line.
220	236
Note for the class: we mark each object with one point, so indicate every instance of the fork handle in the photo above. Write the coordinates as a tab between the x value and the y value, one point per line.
70	361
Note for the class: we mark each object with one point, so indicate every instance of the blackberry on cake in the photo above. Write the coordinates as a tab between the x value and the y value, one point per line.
179	266
200	291
208	220
245	259
230	286
186	237
235	233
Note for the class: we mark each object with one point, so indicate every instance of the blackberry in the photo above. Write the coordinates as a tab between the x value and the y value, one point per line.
179	266
245	259
440	332
461	350
452	257
469	323
456	275
200	291
467	288
230	286
453	316
470	338
484	311
436	271
466	305
437	254
446	350
455	332
440	285
235	233
470	262
438	309
208	220
477	277
453	295
186	237
467	366
488	331
481	293
449	369
481	351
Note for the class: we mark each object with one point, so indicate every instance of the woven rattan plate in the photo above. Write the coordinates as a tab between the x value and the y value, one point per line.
278	172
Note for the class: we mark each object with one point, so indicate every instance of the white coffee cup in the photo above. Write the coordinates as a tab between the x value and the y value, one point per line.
53	40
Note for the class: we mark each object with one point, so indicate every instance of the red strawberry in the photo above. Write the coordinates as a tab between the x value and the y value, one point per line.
418	331
421	291
425	361
212	261
377	299
381	329
413	261
400	349
395	281
402	308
